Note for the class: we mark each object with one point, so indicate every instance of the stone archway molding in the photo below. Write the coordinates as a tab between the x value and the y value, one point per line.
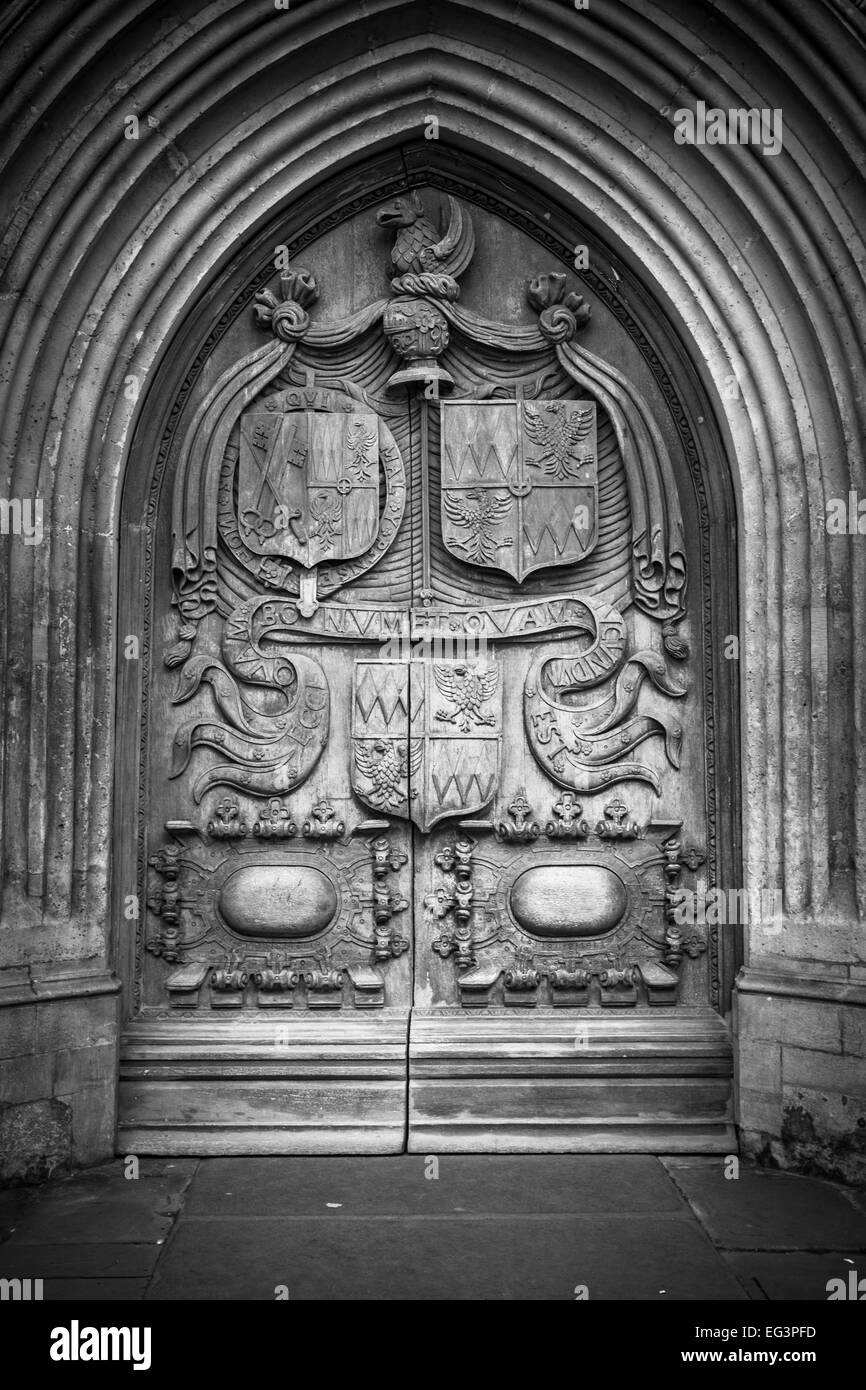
109	242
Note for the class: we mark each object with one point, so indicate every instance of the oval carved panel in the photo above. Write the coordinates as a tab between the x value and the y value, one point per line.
569	900
287	901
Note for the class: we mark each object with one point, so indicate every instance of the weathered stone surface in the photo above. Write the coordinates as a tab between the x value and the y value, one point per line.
83	1066
636	1257
388	1227
803	1066
795	1022
76	1023
104	1206
62	1054
760	1065
405	1185
99	1290
802	1100
25	1078
758	1210
824	1131
94	1259
93	1120
797	1275
35	1140
17	1031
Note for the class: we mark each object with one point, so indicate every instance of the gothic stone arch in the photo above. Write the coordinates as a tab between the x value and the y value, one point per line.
111	247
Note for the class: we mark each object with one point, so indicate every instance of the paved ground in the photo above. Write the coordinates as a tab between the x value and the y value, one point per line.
626	1227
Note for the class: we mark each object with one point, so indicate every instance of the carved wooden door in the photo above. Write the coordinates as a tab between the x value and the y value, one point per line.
425	756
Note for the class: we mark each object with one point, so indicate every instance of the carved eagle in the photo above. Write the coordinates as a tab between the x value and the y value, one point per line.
419	248
326	515
384	763
468	689
477	513
359	443
558	438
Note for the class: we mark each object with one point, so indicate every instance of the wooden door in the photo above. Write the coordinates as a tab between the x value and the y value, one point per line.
424	729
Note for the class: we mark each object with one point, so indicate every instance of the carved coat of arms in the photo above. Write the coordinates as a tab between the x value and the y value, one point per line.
311	495
308	484
519	483
426	737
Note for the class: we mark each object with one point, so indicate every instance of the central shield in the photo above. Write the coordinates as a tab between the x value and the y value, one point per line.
426	737
308	484
519	483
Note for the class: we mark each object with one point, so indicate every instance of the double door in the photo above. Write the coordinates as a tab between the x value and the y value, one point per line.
422	813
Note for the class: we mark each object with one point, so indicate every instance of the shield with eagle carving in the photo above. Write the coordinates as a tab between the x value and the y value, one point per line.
426	736
455	733
519	483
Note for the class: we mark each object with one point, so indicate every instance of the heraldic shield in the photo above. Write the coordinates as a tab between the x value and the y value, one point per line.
308	484
519	483
426	737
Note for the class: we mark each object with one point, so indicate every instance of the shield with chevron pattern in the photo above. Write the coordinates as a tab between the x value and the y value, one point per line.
426	737
380	736
519	483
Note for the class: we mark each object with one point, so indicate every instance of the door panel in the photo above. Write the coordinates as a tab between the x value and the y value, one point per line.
424	726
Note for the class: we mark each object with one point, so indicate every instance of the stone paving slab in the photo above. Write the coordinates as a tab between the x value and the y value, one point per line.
498	1257
103	1205
14	1204
763	1210
92	1259
472	1184
520	1227
86	1290
792	1274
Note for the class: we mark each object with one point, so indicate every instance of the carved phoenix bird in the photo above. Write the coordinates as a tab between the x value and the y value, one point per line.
468	689
419	247
559	438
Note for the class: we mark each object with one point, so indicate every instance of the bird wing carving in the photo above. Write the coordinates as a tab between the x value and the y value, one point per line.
459	512
367	760
362	437
487	682
488	507
579	425
448	683
538	431
456	248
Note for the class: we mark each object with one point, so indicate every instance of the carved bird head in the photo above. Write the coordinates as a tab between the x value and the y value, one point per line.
401	212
